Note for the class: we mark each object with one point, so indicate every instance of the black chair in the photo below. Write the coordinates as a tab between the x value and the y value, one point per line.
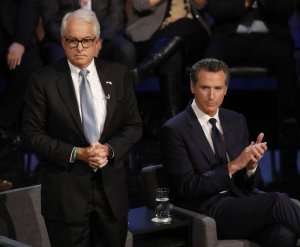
204	232
21	220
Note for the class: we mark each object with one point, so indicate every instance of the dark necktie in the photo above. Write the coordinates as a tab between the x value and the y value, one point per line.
87	109
220	153
218	142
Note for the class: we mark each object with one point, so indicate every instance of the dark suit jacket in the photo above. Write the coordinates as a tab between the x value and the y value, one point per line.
52	127
110	14
18	22
227	14
195	176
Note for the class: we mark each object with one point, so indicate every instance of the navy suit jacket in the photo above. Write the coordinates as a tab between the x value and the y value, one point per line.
227	15
52	127
196	178
110	14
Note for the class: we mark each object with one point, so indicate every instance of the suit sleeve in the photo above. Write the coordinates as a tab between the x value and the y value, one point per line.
241	179
190	183
34	130
26	23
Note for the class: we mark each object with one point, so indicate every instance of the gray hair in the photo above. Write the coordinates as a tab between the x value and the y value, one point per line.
210	65
85	15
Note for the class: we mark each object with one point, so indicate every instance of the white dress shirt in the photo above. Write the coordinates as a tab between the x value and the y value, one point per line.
99	98
205	124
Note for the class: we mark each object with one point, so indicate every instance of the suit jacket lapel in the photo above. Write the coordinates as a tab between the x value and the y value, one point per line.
66	89
197	134
108	88
228	128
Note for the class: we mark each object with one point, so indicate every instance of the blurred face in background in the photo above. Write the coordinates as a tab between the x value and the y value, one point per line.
209	91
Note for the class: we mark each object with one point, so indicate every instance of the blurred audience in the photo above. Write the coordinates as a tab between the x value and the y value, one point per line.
19	56
168	36
110	13
258	32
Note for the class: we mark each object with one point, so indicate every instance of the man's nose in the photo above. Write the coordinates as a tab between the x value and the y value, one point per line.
79	46
211	94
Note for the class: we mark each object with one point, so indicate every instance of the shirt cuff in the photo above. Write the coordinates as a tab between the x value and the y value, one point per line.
73	155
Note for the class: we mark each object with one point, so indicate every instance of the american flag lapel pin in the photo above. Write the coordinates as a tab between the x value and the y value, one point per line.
108	95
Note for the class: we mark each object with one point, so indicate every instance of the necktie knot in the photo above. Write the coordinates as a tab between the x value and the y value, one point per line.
213	121
83	73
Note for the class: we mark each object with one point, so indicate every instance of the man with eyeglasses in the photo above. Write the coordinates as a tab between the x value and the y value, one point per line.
81	118
110	13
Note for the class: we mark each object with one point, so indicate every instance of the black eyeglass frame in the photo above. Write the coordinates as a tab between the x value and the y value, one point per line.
68	41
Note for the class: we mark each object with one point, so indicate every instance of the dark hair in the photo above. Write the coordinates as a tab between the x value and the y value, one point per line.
210	65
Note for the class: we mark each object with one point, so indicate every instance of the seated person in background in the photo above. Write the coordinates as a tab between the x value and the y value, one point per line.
168	35
115	46
19	56
258	32
214	170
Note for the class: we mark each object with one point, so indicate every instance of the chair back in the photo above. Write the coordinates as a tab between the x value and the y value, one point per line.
21	218
153	177
250	70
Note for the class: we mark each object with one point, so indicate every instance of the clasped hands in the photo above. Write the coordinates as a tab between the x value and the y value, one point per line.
250	156
96	155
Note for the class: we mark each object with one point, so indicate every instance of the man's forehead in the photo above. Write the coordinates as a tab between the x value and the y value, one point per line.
79	37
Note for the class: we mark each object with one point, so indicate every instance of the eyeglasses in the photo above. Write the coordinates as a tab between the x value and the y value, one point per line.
86	43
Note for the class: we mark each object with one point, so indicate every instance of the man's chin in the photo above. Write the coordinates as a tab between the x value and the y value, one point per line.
81	63
211	110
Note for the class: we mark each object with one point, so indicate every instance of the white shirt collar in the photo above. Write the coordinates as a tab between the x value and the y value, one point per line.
76	70
202	117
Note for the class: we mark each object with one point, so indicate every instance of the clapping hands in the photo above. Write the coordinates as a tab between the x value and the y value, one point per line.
250	156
